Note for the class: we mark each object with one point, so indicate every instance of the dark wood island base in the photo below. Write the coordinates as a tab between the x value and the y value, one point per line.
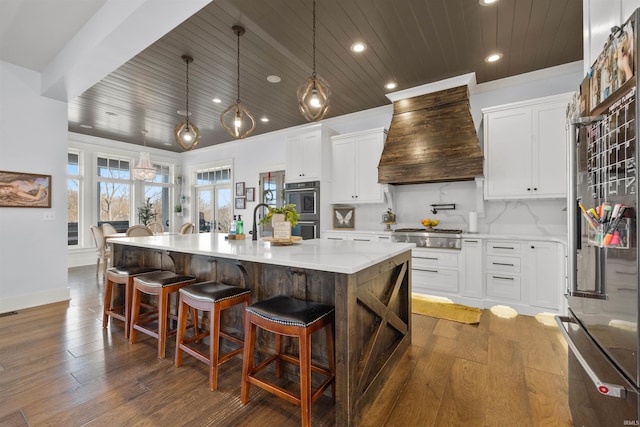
372	309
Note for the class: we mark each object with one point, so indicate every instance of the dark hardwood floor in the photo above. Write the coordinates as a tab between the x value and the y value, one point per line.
58	367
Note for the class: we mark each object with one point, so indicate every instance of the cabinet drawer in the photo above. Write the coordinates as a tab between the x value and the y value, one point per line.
436	279
503	248
422	258
503	286
503	263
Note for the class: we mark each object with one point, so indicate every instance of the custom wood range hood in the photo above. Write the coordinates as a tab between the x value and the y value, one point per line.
432	138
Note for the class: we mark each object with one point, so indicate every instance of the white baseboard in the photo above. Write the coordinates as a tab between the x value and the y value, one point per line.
79	258
34	299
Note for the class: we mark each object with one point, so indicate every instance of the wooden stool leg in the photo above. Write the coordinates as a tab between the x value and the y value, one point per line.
305	377
108	293
278	352
194	321
214	346
163	312
128	295
182	329
135	314
247	357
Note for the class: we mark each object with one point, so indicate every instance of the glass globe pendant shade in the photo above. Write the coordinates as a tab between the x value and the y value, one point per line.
144	169
314	95
187	134
238	121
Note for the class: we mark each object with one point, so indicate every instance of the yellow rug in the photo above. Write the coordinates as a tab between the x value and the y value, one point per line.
428	306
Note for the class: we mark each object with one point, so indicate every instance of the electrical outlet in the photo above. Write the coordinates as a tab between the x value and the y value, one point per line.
50	216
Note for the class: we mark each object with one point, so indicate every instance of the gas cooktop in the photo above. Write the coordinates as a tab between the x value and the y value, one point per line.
429	237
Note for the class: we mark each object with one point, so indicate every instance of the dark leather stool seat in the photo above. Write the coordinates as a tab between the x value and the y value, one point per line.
161	284
121	275
211	297
286	316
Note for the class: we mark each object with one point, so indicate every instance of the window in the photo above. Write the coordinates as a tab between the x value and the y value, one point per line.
114	192
157	192
213	192
73	198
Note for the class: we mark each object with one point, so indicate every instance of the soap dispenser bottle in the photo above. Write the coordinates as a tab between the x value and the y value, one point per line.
233	226
239	225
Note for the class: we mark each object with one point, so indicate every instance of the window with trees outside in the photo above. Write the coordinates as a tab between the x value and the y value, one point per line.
73	198
114	192
213	192
157	192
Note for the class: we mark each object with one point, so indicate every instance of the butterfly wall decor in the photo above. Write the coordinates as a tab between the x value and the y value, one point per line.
343	218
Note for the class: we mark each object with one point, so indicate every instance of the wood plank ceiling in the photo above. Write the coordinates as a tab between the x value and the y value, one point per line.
411	42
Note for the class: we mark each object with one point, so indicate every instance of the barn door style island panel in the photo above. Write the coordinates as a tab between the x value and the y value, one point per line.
368	283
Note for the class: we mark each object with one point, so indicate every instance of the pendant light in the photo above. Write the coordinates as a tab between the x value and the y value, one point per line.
144	169
314	93
236	119
186	133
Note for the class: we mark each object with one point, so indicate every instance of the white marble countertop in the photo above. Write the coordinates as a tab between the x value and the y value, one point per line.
346	257
466	235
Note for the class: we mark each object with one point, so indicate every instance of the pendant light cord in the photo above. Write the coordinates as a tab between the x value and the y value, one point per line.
238	64
314	40
187	61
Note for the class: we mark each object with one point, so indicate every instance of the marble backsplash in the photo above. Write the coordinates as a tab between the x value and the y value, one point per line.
519	217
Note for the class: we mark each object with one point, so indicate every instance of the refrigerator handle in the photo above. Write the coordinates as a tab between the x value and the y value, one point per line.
607	389
572	207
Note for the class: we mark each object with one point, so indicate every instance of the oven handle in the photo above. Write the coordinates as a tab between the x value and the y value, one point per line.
607	389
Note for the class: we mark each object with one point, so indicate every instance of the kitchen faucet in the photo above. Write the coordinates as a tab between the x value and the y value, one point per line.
254	231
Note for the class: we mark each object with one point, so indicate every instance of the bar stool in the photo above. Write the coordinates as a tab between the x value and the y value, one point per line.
121	275
161	284
286	316
211	297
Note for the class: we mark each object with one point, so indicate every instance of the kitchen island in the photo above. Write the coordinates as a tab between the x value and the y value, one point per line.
368	283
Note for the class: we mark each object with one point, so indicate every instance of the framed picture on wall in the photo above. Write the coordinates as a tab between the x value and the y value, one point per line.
240	203
344	218
251	194
24	190
239	188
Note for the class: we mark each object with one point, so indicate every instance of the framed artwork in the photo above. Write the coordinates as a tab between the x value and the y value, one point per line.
239	189
240	203
251	194
344	218
24	190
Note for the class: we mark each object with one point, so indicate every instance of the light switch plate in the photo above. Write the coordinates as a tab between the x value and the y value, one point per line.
50	216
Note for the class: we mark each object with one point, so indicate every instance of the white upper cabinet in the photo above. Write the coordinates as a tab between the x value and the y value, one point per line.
525	149
355	166
309	155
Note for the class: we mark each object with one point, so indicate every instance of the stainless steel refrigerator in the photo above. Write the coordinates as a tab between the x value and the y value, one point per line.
601	328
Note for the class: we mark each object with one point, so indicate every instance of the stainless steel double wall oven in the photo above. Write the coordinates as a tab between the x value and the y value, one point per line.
306	197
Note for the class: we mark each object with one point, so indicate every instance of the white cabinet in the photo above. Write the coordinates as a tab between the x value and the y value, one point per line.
502	265
544	275
355	166
434	270
471	273
308	154
525	149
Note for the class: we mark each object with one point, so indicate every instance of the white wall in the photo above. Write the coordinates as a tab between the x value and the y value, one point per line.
33	138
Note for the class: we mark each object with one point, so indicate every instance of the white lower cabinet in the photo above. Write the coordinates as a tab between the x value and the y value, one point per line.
471	277
503	270
544	274
434	270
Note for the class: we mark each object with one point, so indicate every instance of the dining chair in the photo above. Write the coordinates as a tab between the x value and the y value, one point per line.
156	227
139	230
103	253
108	229
187	228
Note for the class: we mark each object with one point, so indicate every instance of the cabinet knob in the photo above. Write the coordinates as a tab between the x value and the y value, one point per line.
535	189
533	247
528	189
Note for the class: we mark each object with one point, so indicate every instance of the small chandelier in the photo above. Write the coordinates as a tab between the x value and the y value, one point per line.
314	93
144	169
186	133
236	119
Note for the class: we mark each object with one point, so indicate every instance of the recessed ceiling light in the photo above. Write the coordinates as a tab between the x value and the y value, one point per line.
391	85
86	126
358	47
183	112
111	113
274	79
493	57
264	119
487	2
217	100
